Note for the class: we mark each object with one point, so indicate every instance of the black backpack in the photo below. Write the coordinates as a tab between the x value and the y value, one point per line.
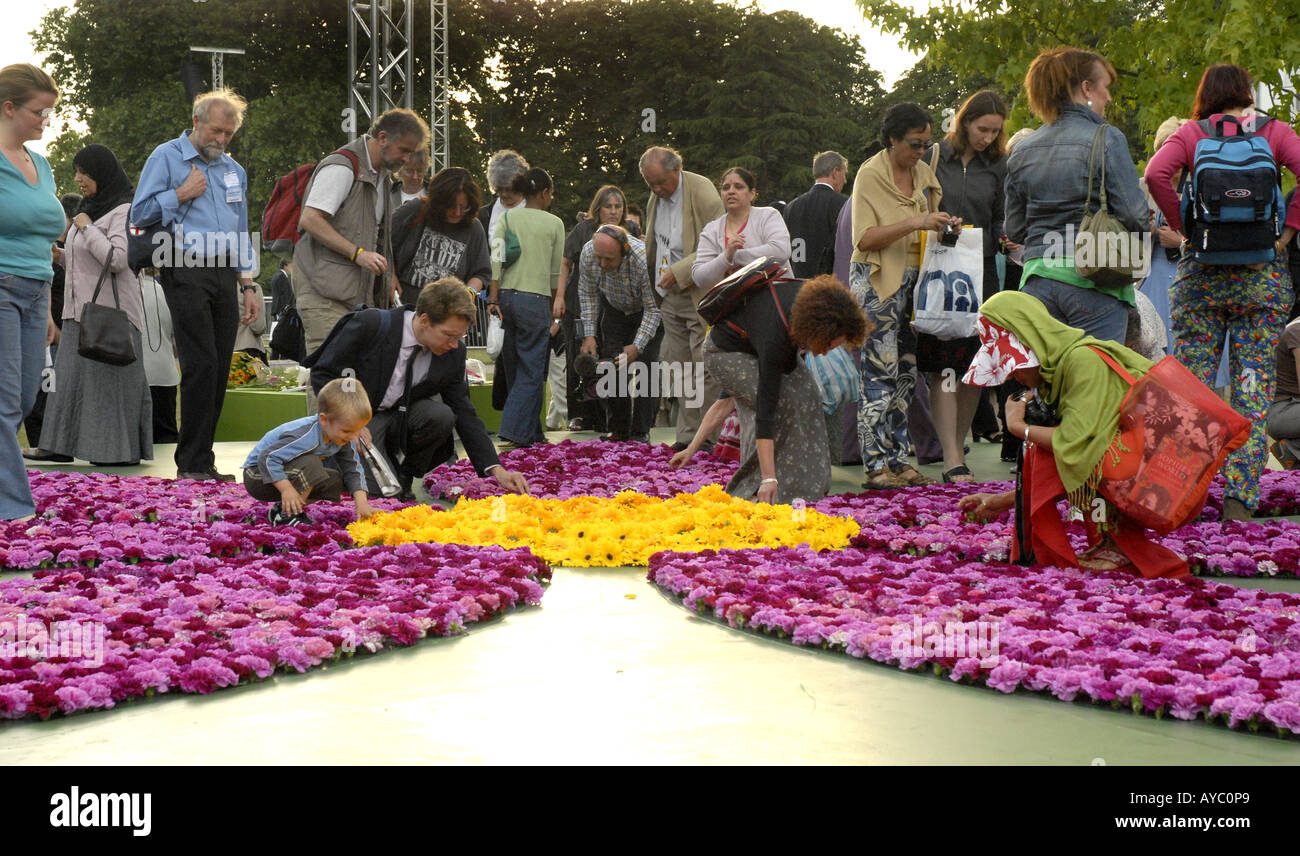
289	339
734	291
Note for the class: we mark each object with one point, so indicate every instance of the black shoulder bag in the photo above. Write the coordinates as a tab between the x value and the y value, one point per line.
105	330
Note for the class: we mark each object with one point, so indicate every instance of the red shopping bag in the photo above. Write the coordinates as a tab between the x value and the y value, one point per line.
1175	434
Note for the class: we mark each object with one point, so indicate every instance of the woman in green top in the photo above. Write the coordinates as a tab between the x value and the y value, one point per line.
1020	339
31	220
520	295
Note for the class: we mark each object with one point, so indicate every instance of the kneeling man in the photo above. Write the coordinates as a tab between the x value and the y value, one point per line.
412	365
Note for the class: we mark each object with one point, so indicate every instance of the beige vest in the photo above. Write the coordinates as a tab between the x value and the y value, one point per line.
319	270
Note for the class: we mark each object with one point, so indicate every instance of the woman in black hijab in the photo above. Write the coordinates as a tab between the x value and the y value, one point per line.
99	412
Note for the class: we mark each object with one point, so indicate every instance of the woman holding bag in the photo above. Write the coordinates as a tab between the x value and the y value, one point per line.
103	413
971	166
741	235
1052	175
895	197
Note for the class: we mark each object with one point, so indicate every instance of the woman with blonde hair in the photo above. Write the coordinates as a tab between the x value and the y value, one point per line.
31	220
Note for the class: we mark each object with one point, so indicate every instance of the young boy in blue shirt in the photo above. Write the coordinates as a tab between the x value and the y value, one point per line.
287	465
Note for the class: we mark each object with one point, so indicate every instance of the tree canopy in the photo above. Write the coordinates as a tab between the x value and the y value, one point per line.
579	87
1158	47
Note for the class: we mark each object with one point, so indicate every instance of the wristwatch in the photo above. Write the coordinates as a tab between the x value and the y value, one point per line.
244	288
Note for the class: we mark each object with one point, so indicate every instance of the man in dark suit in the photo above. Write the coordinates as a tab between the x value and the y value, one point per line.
811	217
403	358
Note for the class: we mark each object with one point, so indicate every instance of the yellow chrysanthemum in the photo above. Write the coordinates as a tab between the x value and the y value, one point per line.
624	530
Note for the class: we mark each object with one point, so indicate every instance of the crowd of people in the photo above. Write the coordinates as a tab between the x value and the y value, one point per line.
393	265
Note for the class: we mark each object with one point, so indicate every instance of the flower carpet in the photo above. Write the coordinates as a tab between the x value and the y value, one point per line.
146	586
191	591
611	532
585	468
1183	649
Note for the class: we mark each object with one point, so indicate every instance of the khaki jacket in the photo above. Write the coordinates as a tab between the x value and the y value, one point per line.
701	204
321	271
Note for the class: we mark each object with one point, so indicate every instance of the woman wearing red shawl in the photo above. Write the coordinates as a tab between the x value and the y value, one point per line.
1020	339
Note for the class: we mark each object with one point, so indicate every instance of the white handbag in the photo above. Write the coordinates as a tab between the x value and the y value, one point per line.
950	286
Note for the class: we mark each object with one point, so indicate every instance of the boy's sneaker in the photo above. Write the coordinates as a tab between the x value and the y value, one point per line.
277	516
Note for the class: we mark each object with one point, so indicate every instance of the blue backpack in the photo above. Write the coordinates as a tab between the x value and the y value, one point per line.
1232	208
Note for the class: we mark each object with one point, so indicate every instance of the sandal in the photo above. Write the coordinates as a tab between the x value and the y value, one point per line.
959	474
884	480
1104	556
913	478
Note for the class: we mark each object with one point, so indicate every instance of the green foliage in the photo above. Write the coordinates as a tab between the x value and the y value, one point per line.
778	94
940	90
1159	47
580	87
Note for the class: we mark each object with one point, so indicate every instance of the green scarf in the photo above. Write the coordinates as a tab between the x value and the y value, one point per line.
1085	390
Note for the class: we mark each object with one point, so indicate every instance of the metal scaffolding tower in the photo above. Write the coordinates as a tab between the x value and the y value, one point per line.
381	65
381	70
218	62
440	145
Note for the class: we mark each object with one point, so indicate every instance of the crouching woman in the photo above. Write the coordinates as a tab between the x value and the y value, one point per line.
1020	339
754	355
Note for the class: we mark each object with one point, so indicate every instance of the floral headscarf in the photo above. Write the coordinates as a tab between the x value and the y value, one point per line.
1000	354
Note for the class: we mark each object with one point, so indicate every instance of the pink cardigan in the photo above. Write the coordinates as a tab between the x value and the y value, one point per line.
83	258
1177	153
765	235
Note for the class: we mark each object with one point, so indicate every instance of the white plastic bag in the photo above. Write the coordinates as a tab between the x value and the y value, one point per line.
474	371
950	286
496	337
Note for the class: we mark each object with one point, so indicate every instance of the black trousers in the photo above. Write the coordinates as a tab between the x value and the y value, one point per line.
164	414
429	439
617	331
590	412
204	306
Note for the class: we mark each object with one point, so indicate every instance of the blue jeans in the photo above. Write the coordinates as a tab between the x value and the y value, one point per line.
527	321
1099	315
24	310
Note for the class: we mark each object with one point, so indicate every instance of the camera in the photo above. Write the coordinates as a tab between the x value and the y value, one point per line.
1037	411
590	371
948	237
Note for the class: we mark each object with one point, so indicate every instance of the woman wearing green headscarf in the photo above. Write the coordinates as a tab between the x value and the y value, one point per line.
1020	339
